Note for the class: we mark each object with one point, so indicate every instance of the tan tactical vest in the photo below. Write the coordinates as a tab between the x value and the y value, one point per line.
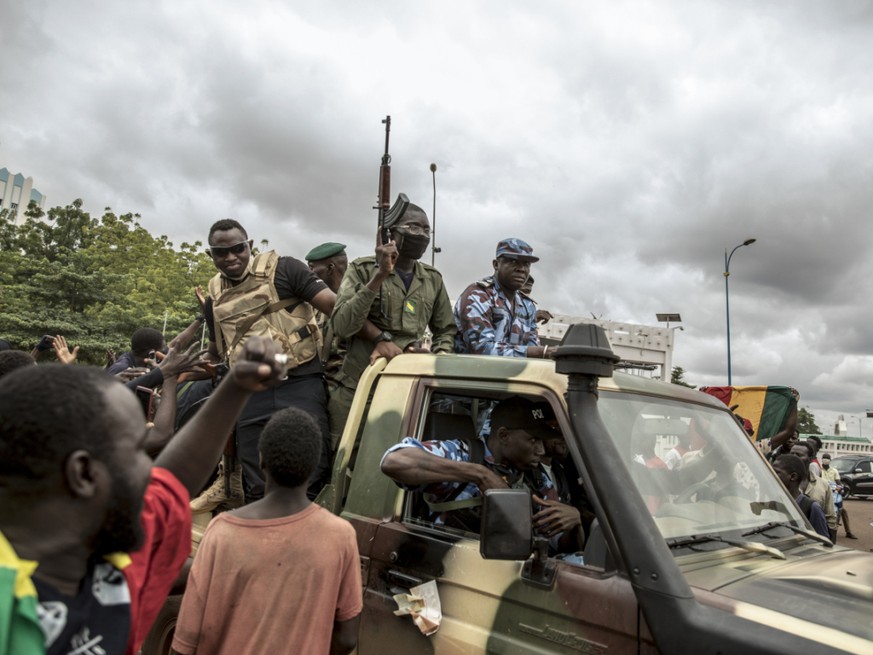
252	307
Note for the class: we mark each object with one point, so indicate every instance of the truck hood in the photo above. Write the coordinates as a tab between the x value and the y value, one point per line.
833	589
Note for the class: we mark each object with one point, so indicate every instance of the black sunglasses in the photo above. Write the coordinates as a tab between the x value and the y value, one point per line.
223	251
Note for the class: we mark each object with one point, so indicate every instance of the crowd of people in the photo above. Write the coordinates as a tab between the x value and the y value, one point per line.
97	483
817	488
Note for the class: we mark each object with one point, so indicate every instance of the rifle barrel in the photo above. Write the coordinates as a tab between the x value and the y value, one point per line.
384	197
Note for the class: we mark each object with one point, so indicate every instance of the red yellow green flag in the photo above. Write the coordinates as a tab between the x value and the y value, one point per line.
766	407
20	632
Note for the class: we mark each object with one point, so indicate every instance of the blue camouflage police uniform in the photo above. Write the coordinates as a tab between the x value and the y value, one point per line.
492	320
458	451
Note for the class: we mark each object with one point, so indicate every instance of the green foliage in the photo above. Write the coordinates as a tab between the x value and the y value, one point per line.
806	422
94	281
677	376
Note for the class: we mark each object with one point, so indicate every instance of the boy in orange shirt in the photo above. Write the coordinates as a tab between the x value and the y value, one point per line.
281	575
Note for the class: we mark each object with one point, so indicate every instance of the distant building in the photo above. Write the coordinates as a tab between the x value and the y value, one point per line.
645	350
16	192
842	445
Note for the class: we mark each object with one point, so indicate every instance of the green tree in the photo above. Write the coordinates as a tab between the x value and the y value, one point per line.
93	280
806	422
677	376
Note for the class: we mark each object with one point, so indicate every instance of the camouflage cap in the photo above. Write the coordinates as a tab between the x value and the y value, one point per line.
324	251
517	413
515	248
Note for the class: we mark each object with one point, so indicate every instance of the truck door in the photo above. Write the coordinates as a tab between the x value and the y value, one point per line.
487	606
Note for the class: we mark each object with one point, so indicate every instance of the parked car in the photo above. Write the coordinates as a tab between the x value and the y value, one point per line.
856	474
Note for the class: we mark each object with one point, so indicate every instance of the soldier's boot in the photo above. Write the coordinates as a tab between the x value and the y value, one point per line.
212	496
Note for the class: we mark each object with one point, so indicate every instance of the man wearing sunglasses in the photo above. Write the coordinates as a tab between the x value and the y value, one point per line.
492	316
269	296
394	294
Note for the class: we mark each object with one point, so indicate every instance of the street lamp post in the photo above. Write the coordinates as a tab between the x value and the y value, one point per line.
727	304
433	247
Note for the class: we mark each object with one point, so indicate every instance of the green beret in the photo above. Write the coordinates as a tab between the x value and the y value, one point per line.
324	251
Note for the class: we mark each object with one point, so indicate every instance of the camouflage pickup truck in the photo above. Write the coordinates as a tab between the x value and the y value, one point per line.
709	556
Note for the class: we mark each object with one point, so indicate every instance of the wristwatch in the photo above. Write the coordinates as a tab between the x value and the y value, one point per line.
384	335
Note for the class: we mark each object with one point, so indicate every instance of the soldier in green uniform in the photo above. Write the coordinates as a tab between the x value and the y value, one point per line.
329	262
401	297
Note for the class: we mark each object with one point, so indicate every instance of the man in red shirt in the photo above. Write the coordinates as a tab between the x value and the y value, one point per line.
96	533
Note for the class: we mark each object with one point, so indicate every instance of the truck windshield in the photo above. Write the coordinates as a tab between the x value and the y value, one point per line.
693	466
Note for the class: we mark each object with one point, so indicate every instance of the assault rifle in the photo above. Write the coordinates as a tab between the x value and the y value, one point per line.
396	211
386	215
384	193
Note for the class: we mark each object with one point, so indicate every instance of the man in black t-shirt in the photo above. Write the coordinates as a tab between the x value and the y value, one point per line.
271	296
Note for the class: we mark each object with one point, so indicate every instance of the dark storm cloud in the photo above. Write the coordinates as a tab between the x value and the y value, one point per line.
630	143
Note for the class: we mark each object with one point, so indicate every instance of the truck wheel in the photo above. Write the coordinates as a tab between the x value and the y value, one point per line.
160	637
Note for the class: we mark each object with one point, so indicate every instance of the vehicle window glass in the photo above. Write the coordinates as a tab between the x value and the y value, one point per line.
694	468
864	466
843	465
454	420
464	419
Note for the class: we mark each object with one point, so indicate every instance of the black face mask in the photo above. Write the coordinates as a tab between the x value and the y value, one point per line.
412	246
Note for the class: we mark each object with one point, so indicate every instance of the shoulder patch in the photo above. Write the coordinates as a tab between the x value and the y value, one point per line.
365	261
429	268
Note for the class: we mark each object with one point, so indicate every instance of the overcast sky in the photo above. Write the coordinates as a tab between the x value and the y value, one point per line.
630	143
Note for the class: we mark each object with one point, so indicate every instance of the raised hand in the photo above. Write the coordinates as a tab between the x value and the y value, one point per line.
131	373
261	365
201	298
63	352
178	361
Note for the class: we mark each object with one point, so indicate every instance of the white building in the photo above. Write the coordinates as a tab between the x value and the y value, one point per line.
16	192
837	445
643	349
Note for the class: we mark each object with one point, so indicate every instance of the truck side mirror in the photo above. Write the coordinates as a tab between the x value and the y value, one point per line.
507	527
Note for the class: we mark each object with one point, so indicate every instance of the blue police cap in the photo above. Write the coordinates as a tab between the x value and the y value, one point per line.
514	248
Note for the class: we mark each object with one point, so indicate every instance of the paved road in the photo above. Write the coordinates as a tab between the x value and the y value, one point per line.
860	517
